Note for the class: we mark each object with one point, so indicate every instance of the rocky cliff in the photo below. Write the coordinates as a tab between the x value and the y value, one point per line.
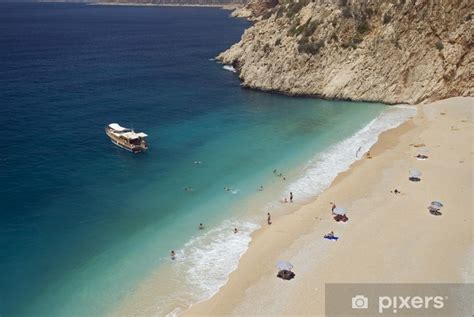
177	2
394	51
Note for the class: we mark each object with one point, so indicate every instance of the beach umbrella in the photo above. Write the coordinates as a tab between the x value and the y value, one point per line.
436	204
415	173
339	211
284	265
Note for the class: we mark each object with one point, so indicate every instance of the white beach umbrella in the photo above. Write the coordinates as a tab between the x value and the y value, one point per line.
339	211
284	265
415	173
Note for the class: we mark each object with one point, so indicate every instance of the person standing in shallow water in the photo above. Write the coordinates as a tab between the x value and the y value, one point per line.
291	197
269	218
173	255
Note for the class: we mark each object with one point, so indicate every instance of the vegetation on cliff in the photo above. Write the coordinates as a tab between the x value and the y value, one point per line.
177	2
395	51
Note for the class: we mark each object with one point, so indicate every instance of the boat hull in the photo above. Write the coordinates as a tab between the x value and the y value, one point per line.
121	144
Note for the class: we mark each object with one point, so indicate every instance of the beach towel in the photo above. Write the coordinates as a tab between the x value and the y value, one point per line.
331	238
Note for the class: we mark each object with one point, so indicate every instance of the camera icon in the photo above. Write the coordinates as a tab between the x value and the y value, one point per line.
360	302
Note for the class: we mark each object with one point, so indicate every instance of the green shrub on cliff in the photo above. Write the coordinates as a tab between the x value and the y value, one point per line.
363	27
293	29
309	28
310	48
295	6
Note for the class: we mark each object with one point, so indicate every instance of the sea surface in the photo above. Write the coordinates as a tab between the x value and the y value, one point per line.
83	223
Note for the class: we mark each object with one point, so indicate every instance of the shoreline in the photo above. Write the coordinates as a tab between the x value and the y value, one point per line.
329	161
229	7
250	284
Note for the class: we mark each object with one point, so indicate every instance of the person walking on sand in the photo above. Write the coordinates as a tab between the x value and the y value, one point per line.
173	255
333	207
269	218
291	197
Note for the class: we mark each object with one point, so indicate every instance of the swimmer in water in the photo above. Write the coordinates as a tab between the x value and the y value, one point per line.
235	230
173	255
201	226
260	188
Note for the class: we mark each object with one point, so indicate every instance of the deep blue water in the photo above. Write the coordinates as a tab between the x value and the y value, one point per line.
71	203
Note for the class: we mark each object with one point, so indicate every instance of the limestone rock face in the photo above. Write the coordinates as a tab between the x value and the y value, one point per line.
255	9
394	51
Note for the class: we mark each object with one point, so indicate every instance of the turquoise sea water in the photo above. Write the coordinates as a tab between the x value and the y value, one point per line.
83	222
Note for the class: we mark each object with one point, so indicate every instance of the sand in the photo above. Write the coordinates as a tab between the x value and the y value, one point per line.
389	238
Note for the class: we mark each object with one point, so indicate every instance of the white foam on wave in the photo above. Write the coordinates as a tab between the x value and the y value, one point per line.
206	261
230	68
324	167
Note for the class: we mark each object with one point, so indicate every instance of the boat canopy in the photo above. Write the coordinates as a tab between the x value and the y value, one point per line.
132	135
117	127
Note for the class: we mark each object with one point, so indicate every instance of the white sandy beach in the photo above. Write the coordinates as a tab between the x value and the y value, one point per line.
389	238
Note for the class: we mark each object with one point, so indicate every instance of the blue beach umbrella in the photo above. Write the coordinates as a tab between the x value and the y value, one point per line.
284	265
339	211
436	204
415	173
